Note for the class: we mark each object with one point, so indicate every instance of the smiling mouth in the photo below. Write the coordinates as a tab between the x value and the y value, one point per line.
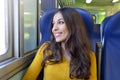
57	34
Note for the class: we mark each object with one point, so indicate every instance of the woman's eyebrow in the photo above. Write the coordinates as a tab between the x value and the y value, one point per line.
58	20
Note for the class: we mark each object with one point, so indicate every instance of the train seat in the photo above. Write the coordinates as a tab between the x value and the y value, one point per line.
99	45
111	49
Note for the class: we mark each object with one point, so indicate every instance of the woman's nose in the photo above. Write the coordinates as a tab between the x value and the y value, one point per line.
55	27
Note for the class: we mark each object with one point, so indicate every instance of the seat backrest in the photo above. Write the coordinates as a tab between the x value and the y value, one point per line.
45	22
111	49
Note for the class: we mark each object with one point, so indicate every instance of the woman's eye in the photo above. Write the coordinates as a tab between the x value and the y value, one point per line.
61	22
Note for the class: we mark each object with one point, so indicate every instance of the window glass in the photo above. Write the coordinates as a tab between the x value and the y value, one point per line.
3	36
30	25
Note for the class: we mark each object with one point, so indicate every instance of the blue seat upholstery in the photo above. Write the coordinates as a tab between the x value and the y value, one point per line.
45	22
111	49
102	31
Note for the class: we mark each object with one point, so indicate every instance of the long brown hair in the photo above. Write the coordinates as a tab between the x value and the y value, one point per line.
77	45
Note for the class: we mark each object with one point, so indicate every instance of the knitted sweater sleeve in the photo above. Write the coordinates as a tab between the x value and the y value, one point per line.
35	67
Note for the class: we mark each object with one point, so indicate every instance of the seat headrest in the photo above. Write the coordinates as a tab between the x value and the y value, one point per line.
113	26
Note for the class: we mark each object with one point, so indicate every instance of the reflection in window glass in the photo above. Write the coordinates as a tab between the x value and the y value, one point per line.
30	25
3	41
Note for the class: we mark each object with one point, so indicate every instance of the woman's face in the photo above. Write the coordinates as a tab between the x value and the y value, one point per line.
59	29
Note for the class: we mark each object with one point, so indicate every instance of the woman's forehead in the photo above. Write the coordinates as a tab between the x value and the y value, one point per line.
58	16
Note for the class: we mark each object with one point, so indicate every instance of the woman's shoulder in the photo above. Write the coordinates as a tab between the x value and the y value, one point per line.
92	55
43	46
46	43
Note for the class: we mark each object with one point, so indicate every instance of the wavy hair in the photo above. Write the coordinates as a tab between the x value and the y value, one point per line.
77	44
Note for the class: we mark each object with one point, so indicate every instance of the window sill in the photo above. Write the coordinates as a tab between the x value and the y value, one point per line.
15	65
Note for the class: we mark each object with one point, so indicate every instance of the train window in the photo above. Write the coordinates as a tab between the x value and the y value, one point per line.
5	29
3	36
98	16
18	35
30	25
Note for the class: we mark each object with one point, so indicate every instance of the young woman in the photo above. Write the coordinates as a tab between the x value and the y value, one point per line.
68	56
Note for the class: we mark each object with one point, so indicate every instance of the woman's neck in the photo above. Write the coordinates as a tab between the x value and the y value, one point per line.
65	53
63	46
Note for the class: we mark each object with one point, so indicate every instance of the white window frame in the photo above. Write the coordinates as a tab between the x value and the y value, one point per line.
9	29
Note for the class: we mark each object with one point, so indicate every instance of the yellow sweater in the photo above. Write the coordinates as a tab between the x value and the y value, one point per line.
58	71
